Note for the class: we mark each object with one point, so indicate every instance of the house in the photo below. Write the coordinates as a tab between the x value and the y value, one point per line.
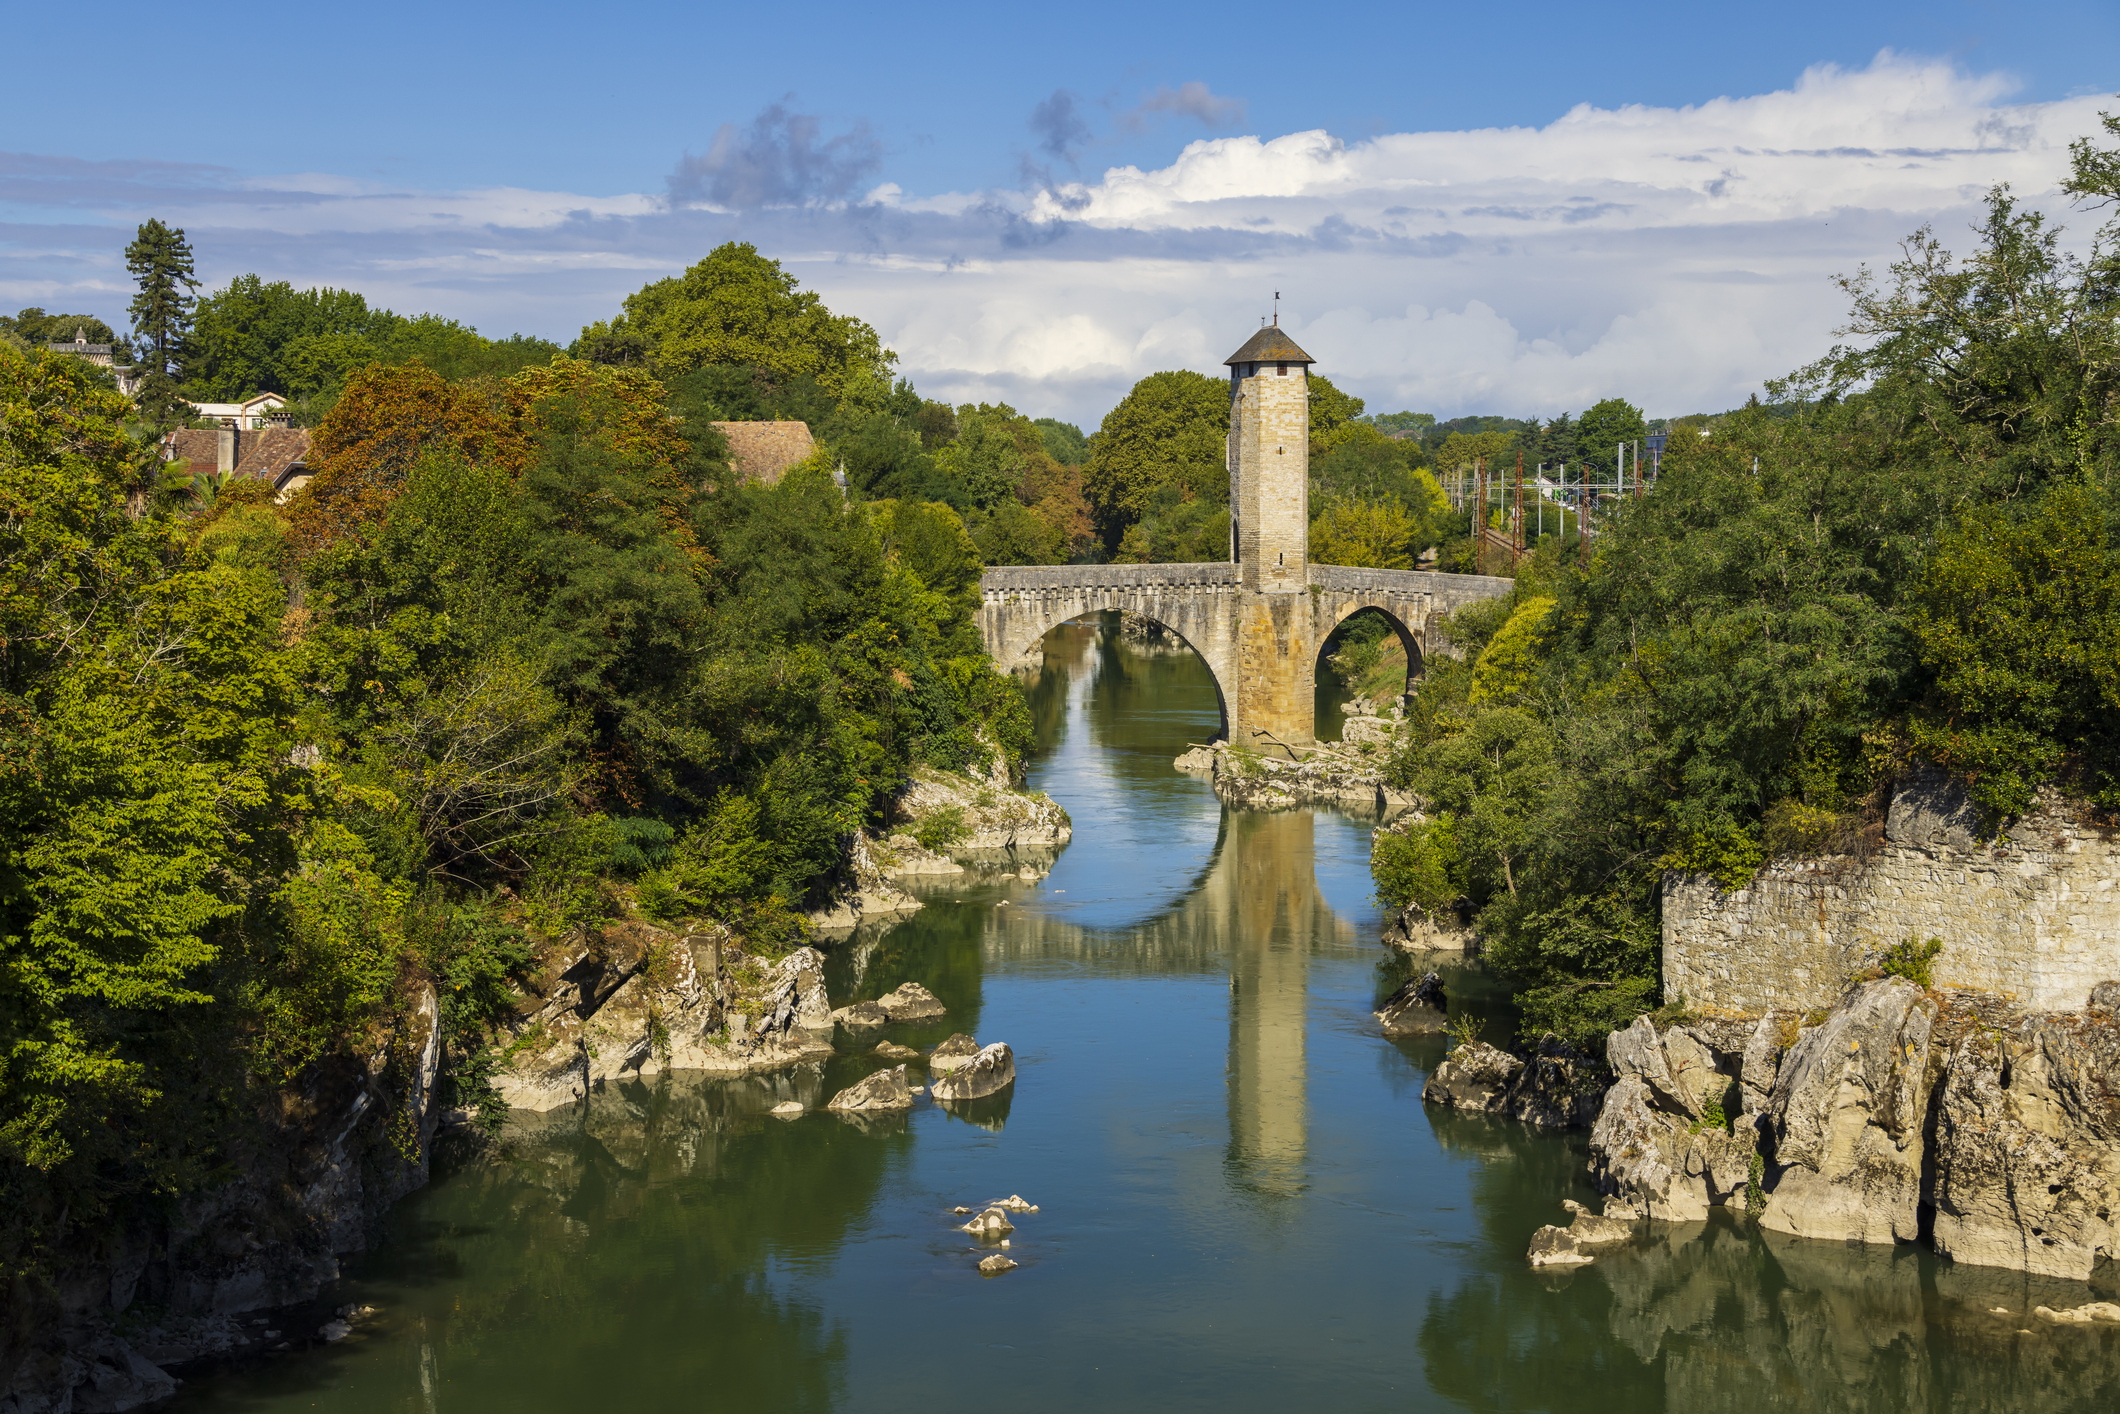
278	456
763	451
253	413
100	355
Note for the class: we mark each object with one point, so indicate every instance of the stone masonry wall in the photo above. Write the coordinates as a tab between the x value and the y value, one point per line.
2033	915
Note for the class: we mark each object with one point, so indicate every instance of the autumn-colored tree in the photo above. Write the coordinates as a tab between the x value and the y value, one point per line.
387	422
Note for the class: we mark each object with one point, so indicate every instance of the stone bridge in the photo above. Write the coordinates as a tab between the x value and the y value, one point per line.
1205	607
1259	620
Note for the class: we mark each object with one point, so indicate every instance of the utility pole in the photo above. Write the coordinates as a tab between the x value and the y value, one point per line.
1516	539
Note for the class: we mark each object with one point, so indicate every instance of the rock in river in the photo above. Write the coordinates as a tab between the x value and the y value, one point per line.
911	1002
959	1050
1566	1246
995	1265
988	1073
1417	1009
885	1090
861	1016
991	1224
892	1051
1474	1076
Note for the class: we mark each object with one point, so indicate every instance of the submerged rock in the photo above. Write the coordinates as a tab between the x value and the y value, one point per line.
957	1051
989	1072
890	1050
1419	1008
885	1090
911	1002
1846	1117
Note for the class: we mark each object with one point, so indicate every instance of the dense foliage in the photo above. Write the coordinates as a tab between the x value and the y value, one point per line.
1906	558
521	656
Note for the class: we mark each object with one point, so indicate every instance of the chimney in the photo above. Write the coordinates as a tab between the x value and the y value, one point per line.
226	461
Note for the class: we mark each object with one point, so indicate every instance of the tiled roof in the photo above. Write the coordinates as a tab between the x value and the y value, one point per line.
763	451
1269	345
268	454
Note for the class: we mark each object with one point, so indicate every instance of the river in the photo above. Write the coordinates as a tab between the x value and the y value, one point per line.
1244	1205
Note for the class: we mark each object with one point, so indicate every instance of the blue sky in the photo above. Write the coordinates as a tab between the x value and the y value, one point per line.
1509	208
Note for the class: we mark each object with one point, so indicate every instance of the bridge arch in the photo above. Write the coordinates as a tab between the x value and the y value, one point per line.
1195	604
1409	635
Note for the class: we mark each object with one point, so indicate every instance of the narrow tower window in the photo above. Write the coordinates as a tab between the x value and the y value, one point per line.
1280	370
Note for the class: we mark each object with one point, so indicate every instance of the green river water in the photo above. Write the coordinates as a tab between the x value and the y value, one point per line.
1244	1203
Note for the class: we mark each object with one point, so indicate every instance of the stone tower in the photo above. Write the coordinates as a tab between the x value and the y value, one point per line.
1269	527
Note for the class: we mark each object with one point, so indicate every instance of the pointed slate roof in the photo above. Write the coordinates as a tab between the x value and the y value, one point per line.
1269	345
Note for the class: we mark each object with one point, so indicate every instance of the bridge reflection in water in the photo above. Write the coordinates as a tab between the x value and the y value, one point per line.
1256	913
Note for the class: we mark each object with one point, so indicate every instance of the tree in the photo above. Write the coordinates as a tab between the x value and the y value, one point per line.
389	420
1365	534
739	307
1600	431
1171	430
1064	441
159	260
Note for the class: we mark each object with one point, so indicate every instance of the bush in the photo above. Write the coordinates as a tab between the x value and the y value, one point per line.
1915	961
1419	865
941	829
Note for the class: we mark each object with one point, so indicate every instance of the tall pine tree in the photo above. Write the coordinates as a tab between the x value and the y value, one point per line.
159	259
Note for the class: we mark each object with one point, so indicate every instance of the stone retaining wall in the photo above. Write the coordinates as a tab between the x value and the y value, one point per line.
2034	915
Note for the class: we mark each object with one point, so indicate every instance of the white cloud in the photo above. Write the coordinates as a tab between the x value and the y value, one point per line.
1675	256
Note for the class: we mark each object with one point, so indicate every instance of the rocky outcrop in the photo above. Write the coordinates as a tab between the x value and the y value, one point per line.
1474	1076
1413	929
1845	1119
885	1090
1662	1145
166	1288
2003	1123
1331	773
1419	1008
977	816
866	892
635	999
2027	1145
987	1073
1557	1088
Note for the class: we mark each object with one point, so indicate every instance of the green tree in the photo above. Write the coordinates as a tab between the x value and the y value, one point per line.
1601	430
1170	431
739	307
1366	534
1064	441
159	260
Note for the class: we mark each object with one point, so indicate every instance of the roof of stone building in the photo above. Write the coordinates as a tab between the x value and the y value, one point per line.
267	454
1269	345
763	451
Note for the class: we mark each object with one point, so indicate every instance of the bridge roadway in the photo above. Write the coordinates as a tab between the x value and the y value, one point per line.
1261	647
